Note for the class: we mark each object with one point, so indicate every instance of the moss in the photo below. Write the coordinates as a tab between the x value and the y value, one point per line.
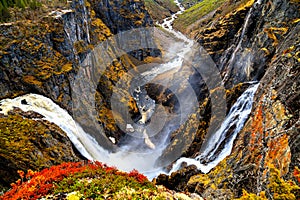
279	188
197	11
32	80
85	180
67	67
274	32
251	196
26	143
100	31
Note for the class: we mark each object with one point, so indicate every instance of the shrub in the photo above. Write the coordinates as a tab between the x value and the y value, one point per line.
82	179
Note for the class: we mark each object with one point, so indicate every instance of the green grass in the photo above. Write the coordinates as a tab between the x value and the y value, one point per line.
195	12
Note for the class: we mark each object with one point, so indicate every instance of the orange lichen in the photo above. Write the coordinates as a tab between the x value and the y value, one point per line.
271	32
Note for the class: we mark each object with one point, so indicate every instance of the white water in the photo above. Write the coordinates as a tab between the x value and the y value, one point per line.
126	158
232	60
168	25
235	119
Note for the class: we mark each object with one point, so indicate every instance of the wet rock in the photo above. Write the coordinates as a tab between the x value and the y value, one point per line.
177	180
24	102
28	114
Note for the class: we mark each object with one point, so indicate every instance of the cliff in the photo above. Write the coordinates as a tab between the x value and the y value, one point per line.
160	9
42	53
251	41
30	144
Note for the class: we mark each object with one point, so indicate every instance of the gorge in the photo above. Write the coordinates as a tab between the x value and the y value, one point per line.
215	116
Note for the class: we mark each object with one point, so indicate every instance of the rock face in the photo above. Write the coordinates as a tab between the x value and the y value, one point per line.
257	41
43	55
248	40
122	15
30	144
270	137
161	9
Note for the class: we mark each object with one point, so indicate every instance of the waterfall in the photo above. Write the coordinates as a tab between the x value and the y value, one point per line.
212	154
124	159
232	59
128	156
55	114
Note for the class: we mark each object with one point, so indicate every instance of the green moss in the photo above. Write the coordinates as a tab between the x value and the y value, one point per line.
29	144
98	184
278	188
197	11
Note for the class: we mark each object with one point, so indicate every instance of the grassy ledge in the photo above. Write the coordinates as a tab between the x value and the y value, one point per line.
195	12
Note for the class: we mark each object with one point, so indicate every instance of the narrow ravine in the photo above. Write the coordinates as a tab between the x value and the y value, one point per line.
129	156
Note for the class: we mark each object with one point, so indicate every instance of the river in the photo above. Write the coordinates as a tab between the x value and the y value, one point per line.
131	156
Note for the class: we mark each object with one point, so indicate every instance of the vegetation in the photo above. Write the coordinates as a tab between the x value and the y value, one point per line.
6	4
189	3
195	13
278	187
83	180
30	144
160	9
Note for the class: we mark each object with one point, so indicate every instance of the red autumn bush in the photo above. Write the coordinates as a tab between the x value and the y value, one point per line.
35	185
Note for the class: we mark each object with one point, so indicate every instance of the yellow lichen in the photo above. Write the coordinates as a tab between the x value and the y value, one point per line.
32	80
267	52
67	67
275	30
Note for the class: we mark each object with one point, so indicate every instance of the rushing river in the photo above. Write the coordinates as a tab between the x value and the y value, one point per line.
128	157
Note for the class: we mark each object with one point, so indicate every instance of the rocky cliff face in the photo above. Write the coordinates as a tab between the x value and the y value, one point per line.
256	41
269	141
160	9
248	40
43	55
122	15
30	144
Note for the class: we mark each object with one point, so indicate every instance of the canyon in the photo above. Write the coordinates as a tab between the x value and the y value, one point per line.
200	97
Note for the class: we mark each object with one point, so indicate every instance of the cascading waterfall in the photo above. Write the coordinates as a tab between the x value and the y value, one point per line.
232	60
55	114
125	158
226	135
86	145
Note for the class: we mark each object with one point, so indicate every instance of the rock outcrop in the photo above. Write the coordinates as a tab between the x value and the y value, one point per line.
31	144
259	41
161	9
44	54
269	142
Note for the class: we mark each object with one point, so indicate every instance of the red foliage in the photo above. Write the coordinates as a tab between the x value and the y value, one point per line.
40	183
37	184
297	174
140	177
21	173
